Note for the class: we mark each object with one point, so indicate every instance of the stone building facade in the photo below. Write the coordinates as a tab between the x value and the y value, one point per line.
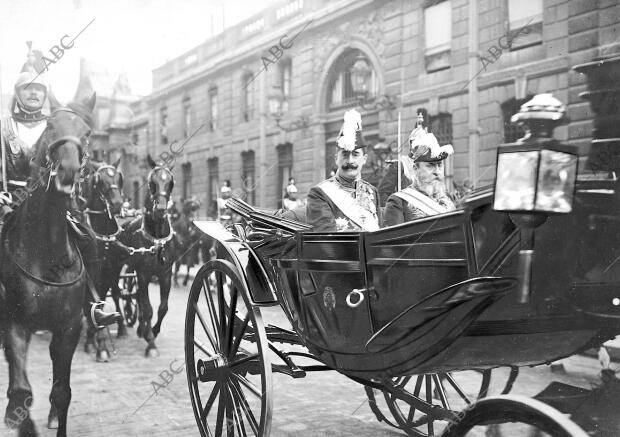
470	63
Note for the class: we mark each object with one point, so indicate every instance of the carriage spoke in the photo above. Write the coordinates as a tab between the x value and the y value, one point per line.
230	412
440	390
199	346
220	303
213	341
205	412
457	388
404	382
221	407
418	386
243	380
245	407
232	319
429	399
215	322
237	411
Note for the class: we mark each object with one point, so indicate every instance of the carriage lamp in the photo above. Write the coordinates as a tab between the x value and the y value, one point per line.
535	177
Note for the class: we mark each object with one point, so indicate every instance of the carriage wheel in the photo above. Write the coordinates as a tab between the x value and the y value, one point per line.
130	300
512	416
438	397
228	369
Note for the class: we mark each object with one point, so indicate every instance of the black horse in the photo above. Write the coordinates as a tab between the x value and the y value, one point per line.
153	237
188	238
42	272
103	199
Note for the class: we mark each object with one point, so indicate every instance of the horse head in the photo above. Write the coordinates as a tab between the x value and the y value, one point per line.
160	184
104	184
60	148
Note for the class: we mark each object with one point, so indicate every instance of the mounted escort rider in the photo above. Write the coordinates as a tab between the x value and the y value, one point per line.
427	193
20	133
345	202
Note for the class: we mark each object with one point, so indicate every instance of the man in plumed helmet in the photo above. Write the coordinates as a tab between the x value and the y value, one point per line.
427	193
389	183
346	202
20	133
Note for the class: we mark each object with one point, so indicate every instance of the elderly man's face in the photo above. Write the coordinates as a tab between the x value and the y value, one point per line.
429	172
31	96
350	163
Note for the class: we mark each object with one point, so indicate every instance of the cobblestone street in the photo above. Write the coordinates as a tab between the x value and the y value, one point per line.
118	398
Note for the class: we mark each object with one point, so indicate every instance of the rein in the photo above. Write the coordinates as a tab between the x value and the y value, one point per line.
45	281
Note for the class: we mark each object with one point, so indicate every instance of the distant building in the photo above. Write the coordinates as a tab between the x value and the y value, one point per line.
470	63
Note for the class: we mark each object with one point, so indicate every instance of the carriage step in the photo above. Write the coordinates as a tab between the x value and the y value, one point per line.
282	368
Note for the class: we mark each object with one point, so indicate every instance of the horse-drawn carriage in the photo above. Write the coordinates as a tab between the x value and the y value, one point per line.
432	298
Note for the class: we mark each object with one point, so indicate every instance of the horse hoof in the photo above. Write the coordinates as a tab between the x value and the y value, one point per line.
27	429
103	356
52	422
151	352
139	331
122	332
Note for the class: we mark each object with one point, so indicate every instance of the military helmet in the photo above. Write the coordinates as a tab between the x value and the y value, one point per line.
26	78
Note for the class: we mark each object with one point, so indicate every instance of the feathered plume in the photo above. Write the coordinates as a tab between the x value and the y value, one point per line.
423	143
352	123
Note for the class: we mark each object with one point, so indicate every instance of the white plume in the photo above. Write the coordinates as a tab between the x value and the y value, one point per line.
352	123
423	141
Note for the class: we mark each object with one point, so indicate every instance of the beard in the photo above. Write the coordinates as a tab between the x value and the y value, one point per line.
434	188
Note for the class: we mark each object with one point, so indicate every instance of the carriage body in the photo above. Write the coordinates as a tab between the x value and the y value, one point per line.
435	293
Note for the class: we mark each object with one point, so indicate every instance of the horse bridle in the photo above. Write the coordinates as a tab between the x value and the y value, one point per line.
102	195
154	196
49	163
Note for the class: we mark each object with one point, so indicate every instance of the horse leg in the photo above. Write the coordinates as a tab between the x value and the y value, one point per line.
103	354
164	292
17	414
116	295
146	315
62	347
177	267
89	344
186	274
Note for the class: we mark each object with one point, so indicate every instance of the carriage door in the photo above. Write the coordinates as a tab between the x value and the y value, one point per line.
330	268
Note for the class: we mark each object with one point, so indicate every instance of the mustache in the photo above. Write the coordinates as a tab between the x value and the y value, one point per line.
349	166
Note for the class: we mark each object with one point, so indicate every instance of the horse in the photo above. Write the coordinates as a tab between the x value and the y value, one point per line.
152	238
42	272
102	201
188	239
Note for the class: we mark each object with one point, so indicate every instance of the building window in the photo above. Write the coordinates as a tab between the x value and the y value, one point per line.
247	105
512	131
441	126
187	117
163	125
340	91
525	23
286	74
213	185
213	109
186	188
136	194
248	174
285	169
437	35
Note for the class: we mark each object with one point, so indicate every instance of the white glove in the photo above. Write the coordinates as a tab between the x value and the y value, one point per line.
6	198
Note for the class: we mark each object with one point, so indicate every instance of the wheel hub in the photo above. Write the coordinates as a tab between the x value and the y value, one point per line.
208	369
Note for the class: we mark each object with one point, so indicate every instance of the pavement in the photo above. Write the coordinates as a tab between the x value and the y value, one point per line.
126	396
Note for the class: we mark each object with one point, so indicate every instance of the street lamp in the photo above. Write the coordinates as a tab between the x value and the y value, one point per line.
275	100
535	177
361	73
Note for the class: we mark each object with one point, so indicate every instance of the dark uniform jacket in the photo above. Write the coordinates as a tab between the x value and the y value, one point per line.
334	206
410	204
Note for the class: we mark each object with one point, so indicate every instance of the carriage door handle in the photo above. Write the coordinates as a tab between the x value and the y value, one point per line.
359	292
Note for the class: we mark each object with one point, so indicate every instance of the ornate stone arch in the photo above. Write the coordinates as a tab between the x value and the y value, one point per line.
329	67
